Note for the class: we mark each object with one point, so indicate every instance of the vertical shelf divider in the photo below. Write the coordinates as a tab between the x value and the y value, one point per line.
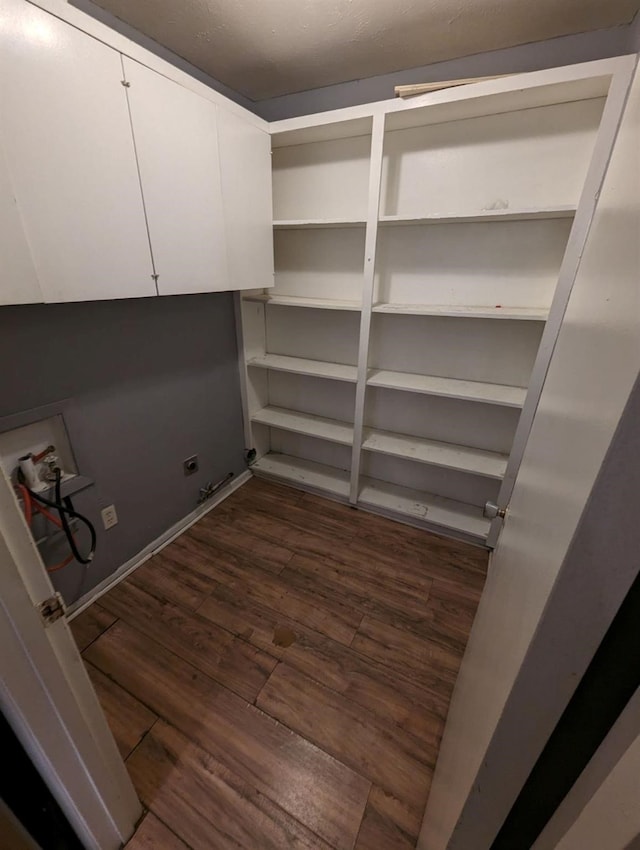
371	238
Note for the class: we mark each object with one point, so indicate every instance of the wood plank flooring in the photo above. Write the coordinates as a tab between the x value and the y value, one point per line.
279	676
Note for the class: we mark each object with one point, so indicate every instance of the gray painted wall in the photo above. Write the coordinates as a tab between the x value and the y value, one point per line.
552	53
634	35
150	382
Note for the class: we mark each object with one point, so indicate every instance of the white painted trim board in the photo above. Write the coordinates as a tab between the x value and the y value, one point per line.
154	547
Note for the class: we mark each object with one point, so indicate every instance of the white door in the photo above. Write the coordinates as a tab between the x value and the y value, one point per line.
176	138
543	612
47	697
71	159
245	166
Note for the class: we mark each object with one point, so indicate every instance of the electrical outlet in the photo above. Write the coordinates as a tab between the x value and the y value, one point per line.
190	465
109	516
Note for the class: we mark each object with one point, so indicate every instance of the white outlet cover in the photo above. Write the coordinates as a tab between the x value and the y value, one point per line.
109	517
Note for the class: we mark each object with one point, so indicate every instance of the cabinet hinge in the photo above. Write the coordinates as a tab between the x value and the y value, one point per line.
492	511
51	609
125	84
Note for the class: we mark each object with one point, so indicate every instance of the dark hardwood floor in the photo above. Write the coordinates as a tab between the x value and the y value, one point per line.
278	676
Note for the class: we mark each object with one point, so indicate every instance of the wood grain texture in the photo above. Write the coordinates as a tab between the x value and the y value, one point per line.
152	834
450	612
242	615
390	695
214	651
363	584
322	793
257	487
129	720
424	661
378	750
291	527
430	608
208	803
248	544
88	625
326	613
168	579
387	824
374	686
344	628
393	552
395	537
299	516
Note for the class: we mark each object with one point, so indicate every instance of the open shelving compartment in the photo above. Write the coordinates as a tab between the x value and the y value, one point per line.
301	336
377	371
301	383
447	434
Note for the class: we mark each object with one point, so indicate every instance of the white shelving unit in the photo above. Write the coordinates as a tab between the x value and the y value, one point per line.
305	423
300	366
446	387
305	473
375	369
447	455
566	211
470	311
314	224
298	301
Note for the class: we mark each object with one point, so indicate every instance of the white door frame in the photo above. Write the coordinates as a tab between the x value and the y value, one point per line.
568	551
623	69
601	810
48	699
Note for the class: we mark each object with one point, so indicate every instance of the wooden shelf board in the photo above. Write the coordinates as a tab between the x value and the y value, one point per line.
318	127
305	423
437	510
300	366
304	473
379	495
525	214
317	223
313	303
448	387
532	314
448	455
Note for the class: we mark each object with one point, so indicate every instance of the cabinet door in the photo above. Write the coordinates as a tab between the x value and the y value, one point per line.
71	158
18	279
245	166
177	143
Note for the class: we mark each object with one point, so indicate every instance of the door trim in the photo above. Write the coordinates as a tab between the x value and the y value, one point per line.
50	703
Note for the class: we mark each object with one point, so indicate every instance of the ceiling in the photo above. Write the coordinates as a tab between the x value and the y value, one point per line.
265	48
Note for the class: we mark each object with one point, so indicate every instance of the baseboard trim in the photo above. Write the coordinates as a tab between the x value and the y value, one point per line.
155	546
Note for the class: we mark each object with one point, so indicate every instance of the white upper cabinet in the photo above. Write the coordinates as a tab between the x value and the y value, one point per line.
71	161
176	138
245	166
18	279
116	181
